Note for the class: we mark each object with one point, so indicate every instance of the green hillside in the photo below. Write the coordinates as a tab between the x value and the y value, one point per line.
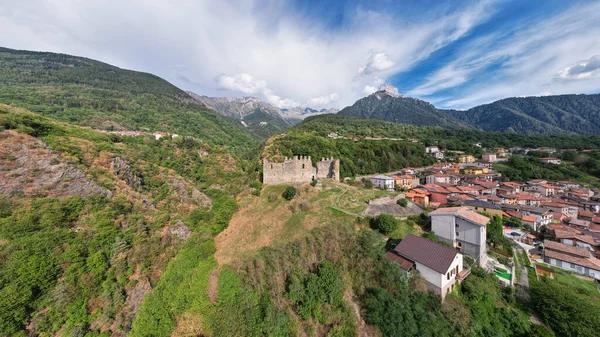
87	92
89	222
546	115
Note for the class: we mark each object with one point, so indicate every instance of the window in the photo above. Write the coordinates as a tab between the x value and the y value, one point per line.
457	225
456	233
302	166
448	275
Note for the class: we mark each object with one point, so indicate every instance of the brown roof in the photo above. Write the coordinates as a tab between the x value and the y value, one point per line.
566	249
464	213
560	234
590	262
594	228
428	253
404	263
585	214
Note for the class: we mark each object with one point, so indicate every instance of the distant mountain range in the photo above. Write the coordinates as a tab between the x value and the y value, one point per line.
261	118
545	115
297	114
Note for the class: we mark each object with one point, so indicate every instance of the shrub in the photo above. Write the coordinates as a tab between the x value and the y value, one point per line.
368	183
385	223
313	183
289	193
402	202
257	186
272	197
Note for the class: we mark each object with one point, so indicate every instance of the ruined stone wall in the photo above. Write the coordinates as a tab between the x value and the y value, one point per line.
294	170
299	169
328	169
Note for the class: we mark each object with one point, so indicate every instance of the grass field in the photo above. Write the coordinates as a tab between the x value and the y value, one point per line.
271	220
571	280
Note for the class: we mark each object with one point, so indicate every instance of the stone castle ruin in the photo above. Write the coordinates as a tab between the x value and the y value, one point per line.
299	170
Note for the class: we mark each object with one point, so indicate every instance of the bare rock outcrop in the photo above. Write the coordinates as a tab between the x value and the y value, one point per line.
124	172
180	230
27	166
180	188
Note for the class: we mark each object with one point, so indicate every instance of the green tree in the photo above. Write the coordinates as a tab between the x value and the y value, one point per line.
402	202
289	193
385	223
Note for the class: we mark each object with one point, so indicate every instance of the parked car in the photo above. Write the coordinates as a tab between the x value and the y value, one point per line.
515	234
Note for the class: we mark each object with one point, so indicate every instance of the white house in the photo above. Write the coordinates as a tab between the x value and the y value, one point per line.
463	229
491	157
550	160
384	182
572	258
437	178
440	266
432	149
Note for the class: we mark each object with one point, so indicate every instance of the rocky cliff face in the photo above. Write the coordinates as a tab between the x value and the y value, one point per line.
27	166
124	172
236	107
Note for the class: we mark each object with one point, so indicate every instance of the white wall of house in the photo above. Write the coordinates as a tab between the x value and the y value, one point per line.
443	226
573	267
469	237
386	184
451	273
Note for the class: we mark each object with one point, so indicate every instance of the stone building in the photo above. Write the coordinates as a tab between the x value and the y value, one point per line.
300	169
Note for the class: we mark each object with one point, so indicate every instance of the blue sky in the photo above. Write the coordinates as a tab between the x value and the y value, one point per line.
455	54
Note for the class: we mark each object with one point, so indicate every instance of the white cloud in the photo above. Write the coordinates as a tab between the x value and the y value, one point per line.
582	70
543	58
242	83
192	42
369	89
375	63
246	84
323	100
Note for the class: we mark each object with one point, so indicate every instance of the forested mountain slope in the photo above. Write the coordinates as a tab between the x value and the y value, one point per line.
545	115
386	104
89	222
87	92
578	114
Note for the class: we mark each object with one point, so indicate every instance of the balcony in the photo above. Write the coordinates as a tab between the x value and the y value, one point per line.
463	275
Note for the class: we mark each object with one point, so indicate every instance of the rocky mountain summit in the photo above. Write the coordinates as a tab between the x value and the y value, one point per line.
389	105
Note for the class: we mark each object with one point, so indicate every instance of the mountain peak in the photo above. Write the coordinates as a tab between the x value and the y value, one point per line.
389	90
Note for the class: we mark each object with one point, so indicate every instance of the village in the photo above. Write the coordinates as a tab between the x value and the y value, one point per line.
554	225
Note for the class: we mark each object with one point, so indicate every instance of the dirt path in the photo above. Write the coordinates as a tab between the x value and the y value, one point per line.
523	282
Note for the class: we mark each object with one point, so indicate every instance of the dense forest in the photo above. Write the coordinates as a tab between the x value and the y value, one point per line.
87	92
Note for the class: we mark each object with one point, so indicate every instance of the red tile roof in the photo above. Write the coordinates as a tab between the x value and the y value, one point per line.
428	253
